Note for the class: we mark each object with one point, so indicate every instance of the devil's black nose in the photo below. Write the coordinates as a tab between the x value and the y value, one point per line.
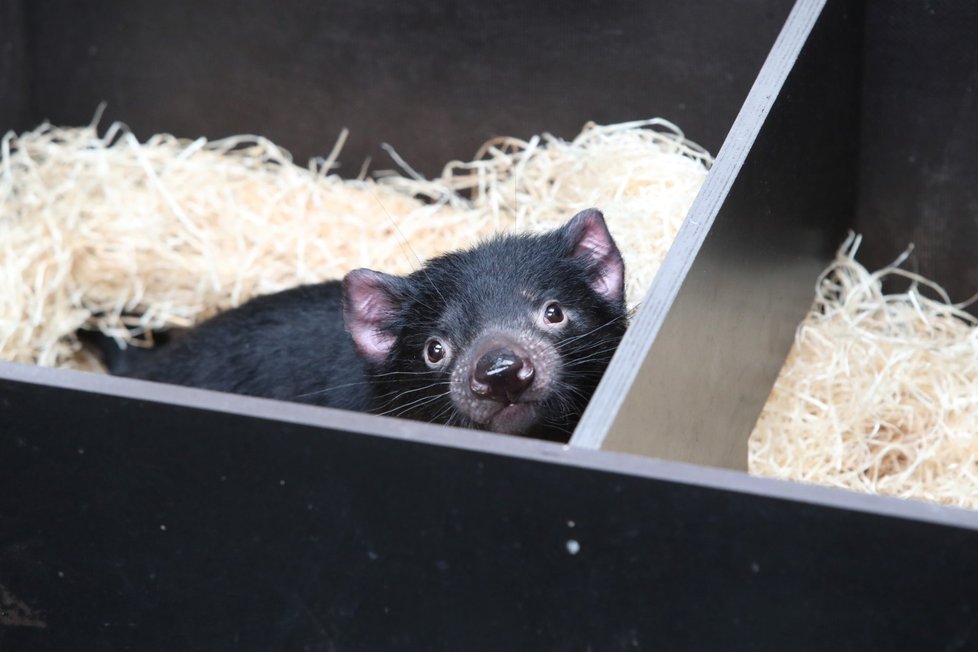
502	374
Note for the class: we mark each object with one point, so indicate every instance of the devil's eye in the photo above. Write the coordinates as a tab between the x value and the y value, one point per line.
552	314
434	351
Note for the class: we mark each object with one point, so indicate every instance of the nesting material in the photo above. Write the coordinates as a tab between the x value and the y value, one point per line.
108	232
879	393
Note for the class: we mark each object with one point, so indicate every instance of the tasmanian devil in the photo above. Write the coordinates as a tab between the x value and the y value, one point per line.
511	336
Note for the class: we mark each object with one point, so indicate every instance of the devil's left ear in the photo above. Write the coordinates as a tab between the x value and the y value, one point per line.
587	237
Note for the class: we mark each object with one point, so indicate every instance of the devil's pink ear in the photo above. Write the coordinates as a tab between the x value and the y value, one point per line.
588	237
371	302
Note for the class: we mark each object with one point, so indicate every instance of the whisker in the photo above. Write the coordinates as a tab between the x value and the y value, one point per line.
570	389
575	338
591	357
404	243
578	346
576	357
330	389
407	410
448	409
397	394
401	373
400	409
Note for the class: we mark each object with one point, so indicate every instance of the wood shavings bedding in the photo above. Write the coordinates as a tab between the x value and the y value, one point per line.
95	229
879	393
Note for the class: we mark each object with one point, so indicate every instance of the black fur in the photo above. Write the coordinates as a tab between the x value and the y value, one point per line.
289	345
293	345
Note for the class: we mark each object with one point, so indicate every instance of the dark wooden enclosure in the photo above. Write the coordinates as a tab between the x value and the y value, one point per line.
136	516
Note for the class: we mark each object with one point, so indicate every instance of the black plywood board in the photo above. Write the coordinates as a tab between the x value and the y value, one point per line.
697	363
134	524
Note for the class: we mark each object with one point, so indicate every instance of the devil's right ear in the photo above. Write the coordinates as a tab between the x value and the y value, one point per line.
372	302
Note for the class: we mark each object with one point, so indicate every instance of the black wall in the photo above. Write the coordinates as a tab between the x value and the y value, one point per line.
434	79
919	139
14	78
